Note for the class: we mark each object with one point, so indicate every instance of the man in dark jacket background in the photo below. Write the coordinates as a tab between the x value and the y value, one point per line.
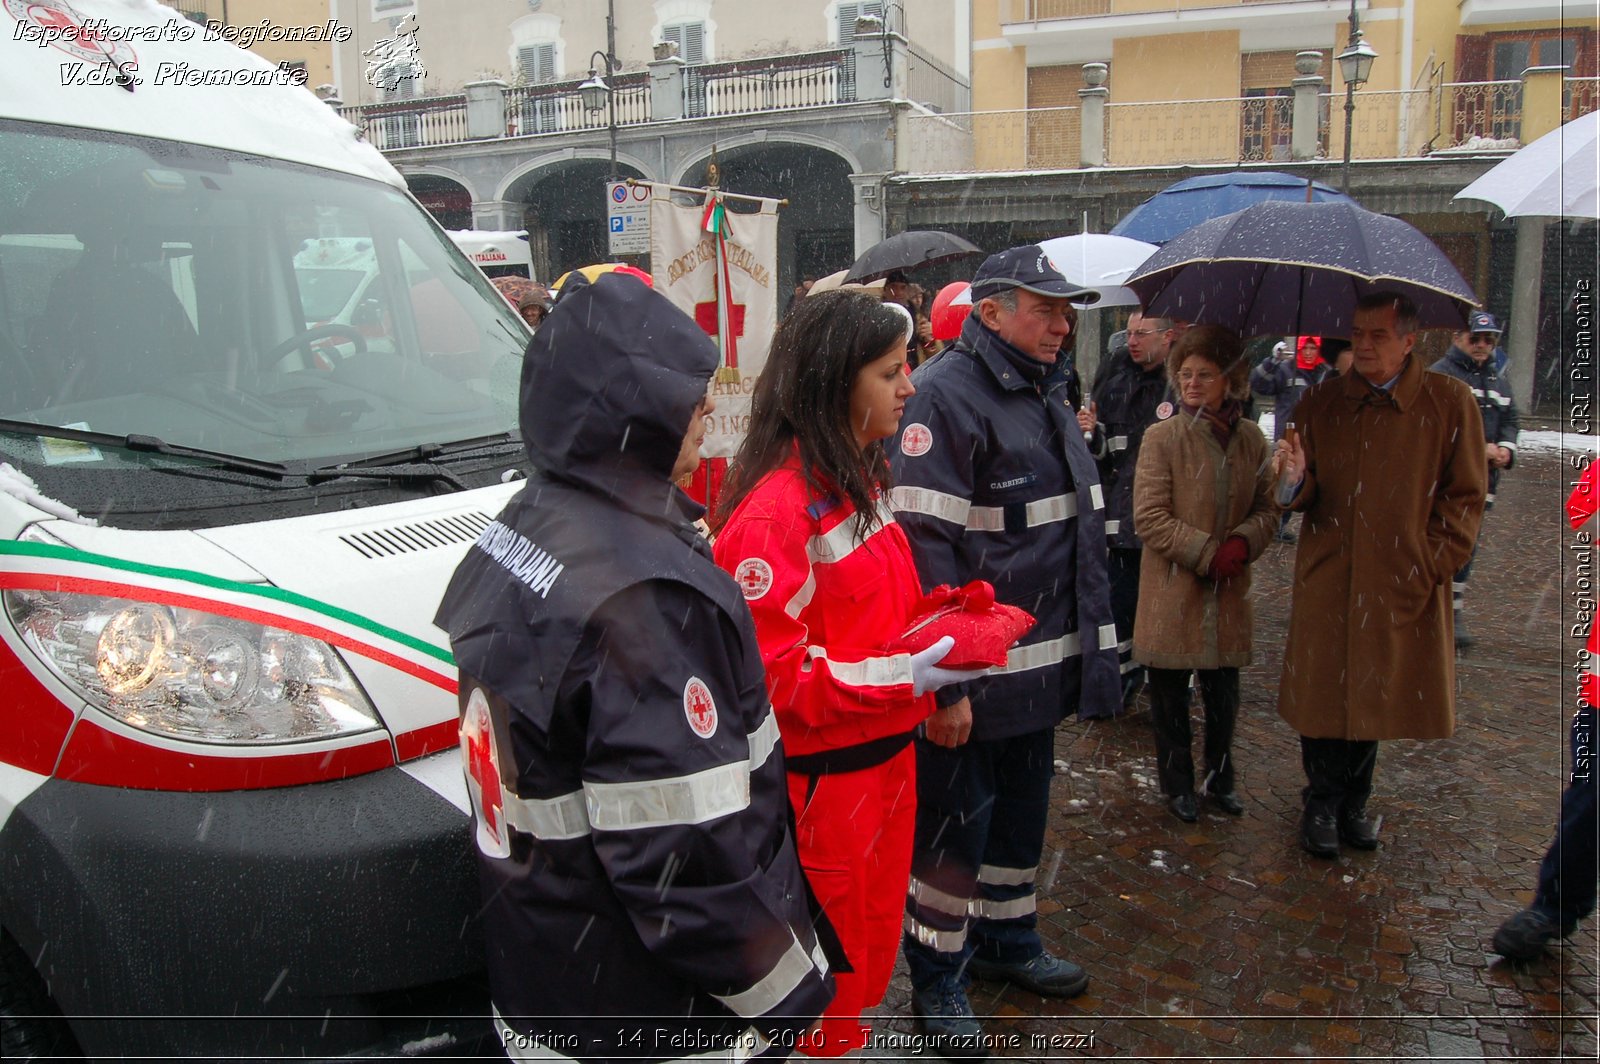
994	482
1471	360
642	895
1130	394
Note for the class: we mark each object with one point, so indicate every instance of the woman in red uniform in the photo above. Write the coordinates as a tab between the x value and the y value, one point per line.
806	530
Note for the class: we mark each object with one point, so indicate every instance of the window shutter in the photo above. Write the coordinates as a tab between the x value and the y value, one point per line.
538	62
690	37
848	13
693	48
1472	58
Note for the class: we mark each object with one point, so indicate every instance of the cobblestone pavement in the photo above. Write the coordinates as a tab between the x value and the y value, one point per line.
1223	940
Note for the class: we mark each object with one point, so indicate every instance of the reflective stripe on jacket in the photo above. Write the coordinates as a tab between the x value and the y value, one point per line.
827	604
993	481
1493	393
1126	398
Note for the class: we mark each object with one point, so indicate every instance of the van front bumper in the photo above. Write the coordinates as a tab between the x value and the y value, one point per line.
316	920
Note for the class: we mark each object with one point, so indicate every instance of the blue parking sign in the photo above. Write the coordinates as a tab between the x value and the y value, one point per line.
616	225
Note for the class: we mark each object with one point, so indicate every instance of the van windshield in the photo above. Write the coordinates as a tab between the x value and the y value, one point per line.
235	303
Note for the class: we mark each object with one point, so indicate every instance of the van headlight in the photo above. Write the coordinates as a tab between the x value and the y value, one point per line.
190	674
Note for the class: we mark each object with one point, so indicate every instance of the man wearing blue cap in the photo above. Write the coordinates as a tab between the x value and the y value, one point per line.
1471	360
994	482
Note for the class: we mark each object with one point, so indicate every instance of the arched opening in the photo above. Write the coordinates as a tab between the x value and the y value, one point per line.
565	214
447	200
816	231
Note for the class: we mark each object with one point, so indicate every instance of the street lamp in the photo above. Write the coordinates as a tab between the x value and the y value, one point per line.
1355	63
598	95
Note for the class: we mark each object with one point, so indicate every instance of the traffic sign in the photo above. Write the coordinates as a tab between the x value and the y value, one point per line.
628	218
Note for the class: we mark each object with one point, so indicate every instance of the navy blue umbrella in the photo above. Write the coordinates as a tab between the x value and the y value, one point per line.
1282	267
1197	199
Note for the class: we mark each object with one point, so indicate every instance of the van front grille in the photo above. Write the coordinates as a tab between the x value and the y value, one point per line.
420	535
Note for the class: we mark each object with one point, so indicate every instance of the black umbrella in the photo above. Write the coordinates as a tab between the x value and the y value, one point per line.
907	251
1298	268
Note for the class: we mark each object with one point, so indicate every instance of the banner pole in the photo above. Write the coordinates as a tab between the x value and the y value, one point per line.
631	181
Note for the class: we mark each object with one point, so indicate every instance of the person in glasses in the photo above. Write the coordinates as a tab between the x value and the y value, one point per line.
1471	360
1130	394
1203	507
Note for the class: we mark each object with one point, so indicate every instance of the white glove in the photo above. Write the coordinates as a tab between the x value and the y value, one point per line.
925	672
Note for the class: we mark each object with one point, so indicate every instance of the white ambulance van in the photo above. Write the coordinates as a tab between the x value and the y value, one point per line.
498	254
232	818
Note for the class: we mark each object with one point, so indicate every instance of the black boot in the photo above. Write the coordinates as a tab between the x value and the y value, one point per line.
1463	637
1356	830
1319	831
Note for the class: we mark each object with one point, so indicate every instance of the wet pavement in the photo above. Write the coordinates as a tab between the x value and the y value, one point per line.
1223	940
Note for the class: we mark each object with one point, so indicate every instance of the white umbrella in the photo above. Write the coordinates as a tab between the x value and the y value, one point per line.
1555	176
1099	261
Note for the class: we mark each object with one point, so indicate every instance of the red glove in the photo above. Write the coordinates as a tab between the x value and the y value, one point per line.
1230	559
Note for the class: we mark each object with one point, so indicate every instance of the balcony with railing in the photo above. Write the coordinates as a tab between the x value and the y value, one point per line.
699	90
1436	116
1017	12
769	83
557	107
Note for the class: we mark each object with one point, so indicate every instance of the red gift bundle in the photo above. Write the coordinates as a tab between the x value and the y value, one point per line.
982	628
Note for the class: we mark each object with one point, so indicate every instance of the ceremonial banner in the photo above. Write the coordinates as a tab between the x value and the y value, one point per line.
719	267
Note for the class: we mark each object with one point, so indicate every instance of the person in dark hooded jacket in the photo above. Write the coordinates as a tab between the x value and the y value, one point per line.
642	895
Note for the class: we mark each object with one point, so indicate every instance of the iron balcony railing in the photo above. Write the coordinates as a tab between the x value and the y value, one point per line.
769	83
557	107
1388	124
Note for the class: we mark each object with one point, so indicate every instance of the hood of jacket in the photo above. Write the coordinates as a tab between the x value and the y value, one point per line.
609	383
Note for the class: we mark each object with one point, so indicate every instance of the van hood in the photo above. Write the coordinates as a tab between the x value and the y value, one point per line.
58	58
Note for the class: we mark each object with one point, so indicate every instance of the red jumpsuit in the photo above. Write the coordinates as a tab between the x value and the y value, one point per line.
825	608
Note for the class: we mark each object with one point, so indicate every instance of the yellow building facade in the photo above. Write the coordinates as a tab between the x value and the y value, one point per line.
1199	81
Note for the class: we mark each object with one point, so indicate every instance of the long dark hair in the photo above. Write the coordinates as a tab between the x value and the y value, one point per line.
803	396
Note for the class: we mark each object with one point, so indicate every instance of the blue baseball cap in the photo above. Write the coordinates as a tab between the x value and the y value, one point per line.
1030	269
1484	322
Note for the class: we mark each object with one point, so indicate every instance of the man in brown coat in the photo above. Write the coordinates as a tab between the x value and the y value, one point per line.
1389	473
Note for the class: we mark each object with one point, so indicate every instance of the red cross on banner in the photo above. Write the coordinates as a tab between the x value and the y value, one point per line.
705	316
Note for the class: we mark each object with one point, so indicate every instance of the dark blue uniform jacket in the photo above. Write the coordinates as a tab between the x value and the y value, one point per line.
1126	397
642	896
1493	393
993	481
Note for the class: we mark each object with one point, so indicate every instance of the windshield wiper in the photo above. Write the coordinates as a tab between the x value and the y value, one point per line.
420	453
147	444
394	474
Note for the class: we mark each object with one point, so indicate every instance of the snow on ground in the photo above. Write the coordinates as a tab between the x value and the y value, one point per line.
1555	442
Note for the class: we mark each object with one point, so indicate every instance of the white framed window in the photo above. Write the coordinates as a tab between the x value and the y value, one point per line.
537	52
690	37
842	23
537	62
688	24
